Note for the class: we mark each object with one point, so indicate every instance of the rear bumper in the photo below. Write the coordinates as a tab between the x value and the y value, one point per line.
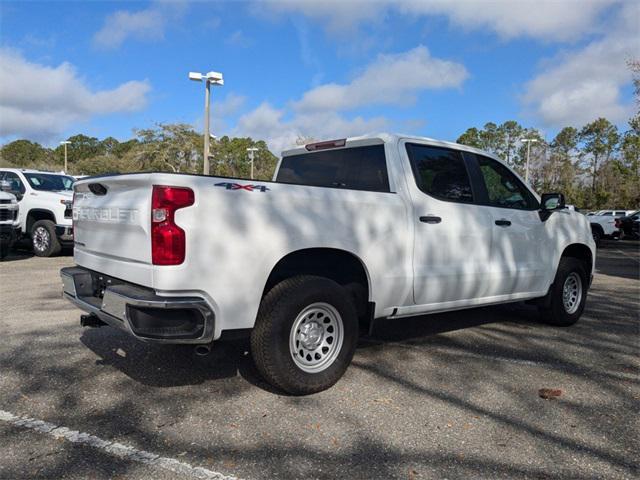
138	310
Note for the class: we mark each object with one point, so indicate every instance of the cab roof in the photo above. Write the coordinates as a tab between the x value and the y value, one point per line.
381	138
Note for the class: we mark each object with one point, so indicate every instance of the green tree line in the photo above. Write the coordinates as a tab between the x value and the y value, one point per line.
165	148
596	166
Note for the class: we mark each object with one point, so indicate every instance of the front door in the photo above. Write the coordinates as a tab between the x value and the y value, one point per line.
517	262
452	241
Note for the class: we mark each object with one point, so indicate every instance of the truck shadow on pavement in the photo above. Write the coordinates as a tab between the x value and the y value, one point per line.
176	365
171	365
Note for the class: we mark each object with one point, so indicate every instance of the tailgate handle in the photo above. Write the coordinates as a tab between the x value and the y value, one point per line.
503	223
98	189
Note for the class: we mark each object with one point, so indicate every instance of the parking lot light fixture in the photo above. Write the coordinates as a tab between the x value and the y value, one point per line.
252	151
214	78
528	141
65	143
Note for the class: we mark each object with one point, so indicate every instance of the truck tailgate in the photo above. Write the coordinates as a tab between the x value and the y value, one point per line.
111	221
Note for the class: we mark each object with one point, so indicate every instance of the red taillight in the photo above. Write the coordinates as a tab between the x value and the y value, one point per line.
168	239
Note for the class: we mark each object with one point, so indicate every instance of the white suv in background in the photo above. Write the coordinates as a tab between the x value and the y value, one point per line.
45	200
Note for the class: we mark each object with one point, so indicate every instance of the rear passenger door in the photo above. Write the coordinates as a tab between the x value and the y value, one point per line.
452	241
518	232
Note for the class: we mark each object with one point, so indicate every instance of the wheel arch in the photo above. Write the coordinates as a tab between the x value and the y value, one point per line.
581	252
341	266
36	214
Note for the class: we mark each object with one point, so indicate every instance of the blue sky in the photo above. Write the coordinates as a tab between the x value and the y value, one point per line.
314	69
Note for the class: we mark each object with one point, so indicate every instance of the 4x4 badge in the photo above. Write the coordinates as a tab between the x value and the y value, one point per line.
238	186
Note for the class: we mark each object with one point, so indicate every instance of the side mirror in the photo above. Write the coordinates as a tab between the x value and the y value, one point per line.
552	201
549	202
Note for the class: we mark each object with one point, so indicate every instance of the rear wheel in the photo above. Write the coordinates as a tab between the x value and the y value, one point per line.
4	249
44	240
305	335
568	294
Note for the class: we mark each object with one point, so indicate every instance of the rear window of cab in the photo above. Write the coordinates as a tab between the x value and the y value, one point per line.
355	168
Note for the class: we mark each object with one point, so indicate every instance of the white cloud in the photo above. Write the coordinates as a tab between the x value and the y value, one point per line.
390	80
542	19
221	111
147	24
578	86
33	109
280	134
393	79
338	15
229	105
238	39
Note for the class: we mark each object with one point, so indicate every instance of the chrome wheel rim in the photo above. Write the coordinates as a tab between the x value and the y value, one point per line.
41	239
572	293
316	337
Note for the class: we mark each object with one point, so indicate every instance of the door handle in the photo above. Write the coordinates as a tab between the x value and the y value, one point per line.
430	219
503	222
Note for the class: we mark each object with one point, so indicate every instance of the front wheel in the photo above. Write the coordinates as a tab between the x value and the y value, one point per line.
44	240
305	335
568	294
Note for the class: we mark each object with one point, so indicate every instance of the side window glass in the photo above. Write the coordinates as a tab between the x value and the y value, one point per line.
440	172
503	187
14	182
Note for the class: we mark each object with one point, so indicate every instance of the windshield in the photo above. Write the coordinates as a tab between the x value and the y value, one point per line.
49	182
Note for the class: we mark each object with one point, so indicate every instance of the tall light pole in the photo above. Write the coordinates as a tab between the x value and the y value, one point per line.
65	143
214	78
251	151
528	141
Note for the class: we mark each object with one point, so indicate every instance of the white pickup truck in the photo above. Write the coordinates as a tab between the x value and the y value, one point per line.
9	226
348	230
603	224
45	207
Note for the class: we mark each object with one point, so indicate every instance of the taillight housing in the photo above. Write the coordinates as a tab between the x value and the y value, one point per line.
168	240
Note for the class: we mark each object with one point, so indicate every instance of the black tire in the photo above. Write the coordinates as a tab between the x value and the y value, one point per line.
271	337
44	240
556	311
4	250
597	236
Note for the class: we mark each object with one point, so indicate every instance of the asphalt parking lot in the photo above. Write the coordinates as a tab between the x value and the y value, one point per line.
446	396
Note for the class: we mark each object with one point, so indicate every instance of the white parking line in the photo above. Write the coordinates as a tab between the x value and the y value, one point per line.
114	448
